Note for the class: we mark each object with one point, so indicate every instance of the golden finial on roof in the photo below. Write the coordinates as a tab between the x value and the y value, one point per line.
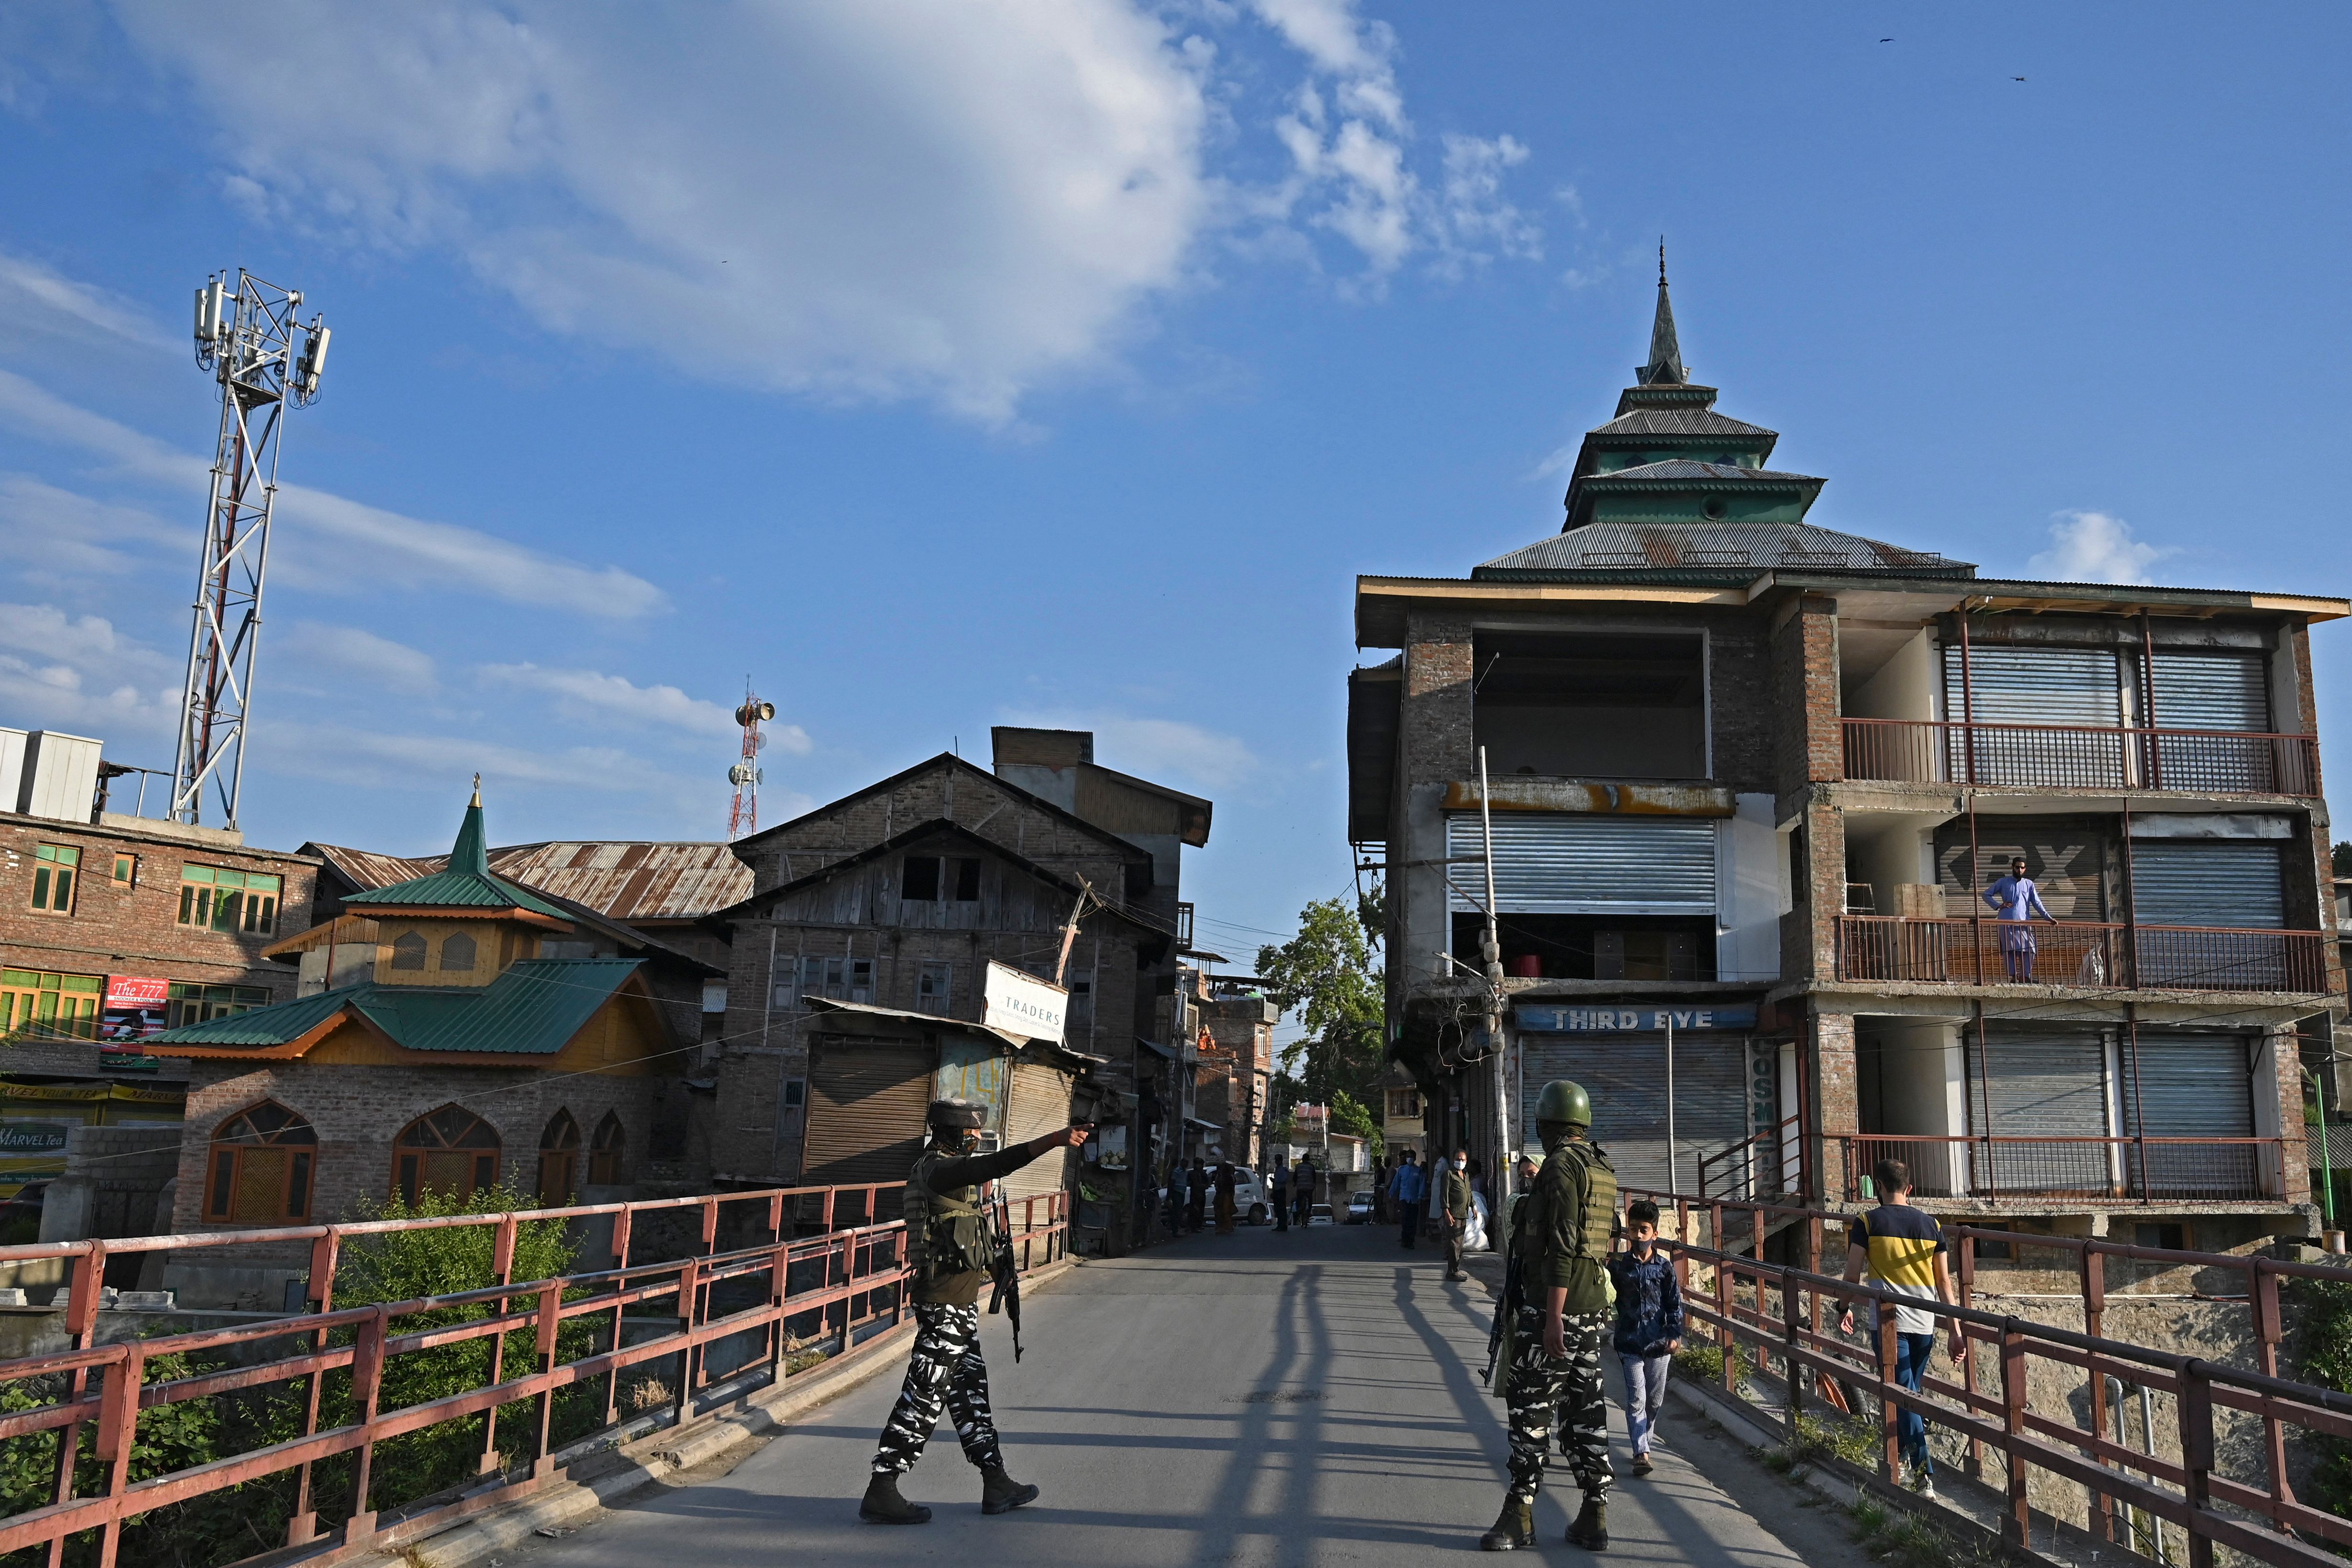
477	788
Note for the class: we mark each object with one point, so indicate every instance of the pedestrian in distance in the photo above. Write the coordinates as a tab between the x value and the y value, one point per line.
950	1250
1901	1249
1302	1191
1555	1308
1453	1211
1223	1182
1279	1192
1196	1196
1649	1326
1405	1187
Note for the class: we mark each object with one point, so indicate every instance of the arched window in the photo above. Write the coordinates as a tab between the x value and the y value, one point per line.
604	1159
457	952
559	1161
409	951
260	1168
451	1152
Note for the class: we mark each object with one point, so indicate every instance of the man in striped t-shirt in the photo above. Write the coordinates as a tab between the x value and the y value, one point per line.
1902	1250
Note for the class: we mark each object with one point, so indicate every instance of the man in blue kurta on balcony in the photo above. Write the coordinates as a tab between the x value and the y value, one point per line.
2016	900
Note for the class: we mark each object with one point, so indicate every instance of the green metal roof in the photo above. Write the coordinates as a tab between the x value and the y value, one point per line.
466	883
532	1010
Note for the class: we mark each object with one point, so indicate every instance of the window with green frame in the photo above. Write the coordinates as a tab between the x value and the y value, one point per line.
192	1003
55	870
32	999
219	899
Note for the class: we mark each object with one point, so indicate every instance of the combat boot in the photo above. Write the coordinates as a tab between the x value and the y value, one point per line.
883	1505
1515	1528
1590	1529
1000	1493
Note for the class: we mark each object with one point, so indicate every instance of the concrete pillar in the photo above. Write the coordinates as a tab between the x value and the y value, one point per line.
1831	1094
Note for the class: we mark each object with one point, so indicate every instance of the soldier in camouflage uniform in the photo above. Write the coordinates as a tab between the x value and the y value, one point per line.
948	1247
1560	1236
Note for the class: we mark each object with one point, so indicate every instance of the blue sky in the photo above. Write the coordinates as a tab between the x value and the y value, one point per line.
1060	360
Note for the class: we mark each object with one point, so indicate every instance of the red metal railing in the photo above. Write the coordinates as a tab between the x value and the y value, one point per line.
2069	757
731	1317
2141	1170
1733	1301
1769	1164
1965	951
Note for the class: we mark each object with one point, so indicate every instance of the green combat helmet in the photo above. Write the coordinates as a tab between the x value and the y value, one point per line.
1565	1102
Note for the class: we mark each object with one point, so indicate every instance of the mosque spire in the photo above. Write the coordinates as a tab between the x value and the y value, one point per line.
1665	366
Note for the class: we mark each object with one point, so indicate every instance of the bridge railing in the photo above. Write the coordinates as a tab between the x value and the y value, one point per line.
1776	1311
344	1382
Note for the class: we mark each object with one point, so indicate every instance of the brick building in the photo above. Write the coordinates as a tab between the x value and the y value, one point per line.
1750	779
116	925
474	1052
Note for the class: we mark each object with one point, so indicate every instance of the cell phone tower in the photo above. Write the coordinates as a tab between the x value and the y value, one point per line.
265	361
745	817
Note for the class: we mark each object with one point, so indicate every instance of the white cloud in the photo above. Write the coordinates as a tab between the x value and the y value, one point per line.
384	759
383	664
1163	750
872	198
2092	547
590	693
33	296
52	536
334	544
68	672
847	199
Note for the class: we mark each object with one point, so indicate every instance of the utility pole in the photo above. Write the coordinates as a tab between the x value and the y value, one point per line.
265	362
1491	953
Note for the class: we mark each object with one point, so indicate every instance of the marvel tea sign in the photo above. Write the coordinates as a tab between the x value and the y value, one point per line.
1020	1003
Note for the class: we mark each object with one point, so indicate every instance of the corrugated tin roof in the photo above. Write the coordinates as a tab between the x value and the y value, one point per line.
531	1009
622	878
631	880
1679	421
1639	546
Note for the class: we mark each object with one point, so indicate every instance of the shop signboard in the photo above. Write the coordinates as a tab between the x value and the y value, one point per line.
135	1008
1554	1017
1020	1003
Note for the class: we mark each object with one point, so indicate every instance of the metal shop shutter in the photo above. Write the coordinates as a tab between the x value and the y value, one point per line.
2191	1085
866	1104
1040	1102
2035	686
2212	690
2049	1086
2235	882
1565	864
1627	1076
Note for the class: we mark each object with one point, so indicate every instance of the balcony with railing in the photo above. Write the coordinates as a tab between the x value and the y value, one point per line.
2086	1169
2067	756
1914	950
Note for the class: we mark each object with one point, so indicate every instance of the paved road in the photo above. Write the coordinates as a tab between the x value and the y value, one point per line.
1262	1399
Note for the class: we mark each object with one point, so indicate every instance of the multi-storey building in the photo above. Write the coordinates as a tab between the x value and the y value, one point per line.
1750	779
863	954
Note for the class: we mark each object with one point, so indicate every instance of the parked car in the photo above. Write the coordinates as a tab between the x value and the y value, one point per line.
1359	1208
1249	1197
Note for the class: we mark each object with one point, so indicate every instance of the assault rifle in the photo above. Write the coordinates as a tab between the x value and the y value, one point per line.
1500	1348
1006	1296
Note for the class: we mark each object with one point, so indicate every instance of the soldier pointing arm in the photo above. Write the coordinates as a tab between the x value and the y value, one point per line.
948	1249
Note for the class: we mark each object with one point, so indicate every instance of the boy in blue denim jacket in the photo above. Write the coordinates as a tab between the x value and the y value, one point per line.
1649	1326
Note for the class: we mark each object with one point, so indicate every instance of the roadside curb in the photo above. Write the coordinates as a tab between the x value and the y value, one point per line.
732	1433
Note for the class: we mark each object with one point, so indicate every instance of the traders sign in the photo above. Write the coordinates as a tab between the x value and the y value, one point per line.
1549	1019
1020	1003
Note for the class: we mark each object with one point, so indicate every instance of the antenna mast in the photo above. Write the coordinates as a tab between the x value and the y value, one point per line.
265	361
744	818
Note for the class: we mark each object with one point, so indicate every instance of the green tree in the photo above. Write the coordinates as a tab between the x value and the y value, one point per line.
1350	1114
2339	859
1326	977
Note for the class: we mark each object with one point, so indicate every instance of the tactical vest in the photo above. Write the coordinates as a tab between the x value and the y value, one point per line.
1599	1193
945	1235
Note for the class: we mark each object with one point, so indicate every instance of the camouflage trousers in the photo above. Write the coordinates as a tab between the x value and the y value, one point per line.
1544	1395
944	1373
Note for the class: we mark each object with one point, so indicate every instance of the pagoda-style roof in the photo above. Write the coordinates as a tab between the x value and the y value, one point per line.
1741	548
1701	422
533	1008
464	887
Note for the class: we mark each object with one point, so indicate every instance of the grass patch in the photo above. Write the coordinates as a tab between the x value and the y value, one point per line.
1906	1540
1704	1364
1853	1439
